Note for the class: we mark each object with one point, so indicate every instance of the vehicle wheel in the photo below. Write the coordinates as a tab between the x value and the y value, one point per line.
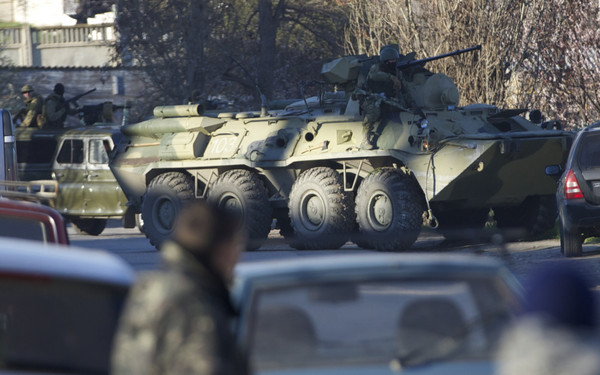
92	227
533	217
139	222
321	212
162	203
570	243
243	191
389	210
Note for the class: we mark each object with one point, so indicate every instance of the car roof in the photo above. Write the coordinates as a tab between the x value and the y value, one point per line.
330	267
32	258
99	130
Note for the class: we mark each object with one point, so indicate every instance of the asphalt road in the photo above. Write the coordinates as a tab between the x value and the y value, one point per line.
521	257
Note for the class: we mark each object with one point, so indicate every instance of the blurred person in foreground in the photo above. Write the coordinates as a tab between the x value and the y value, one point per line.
558	330
178	320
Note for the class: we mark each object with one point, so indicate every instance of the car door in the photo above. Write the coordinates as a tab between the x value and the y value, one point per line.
103	193
70	171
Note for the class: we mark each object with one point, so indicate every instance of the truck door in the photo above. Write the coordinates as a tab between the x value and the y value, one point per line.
103	192
70	172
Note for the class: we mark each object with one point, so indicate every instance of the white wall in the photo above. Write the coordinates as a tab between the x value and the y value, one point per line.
41	13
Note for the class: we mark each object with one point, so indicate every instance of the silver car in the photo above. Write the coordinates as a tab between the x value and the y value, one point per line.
374	313
59	307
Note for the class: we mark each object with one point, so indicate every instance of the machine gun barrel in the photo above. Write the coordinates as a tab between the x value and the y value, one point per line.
77	97
404	65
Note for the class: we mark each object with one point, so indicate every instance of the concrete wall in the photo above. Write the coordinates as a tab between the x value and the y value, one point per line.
41	13
70	46
6	11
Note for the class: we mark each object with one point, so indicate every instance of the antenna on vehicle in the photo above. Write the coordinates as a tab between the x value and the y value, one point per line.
263	98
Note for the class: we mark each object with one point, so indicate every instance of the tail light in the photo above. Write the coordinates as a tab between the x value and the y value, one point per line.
572	190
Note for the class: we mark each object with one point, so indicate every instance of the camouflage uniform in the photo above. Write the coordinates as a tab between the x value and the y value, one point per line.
55	111
33	107
178	321
380	91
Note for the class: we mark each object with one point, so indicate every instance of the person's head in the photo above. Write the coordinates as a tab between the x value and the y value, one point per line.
59	89
27	91
196	96
388	58
535	116
211	233
561	295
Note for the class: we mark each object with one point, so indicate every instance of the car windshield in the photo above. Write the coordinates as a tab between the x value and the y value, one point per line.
351	323
589	154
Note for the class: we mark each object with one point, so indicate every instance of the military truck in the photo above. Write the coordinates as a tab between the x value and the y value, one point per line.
434	163
77	158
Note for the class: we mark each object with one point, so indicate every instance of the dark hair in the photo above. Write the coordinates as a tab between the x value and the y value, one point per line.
59	88
562	293
201	227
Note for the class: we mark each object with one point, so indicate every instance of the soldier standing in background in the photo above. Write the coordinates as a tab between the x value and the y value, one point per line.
56	108
179	320
33	107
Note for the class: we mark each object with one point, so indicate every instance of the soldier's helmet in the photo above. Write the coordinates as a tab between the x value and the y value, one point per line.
388	53
27	88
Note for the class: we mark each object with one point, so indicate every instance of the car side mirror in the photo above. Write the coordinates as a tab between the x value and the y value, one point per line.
553	170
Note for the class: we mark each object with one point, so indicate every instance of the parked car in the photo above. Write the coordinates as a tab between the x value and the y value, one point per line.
58	307
77	158
374	313
578	193
32	221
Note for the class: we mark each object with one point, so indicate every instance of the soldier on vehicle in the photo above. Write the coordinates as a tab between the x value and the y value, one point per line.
33	107
56	108
178	321
381	86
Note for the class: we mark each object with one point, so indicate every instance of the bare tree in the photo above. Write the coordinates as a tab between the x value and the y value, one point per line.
562	66
289	39
167	38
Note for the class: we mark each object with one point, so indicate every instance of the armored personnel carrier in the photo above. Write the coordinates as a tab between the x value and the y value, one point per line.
433	163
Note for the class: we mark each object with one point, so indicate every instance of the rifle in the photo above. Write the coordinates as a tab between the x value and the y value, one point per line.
77	97
408	64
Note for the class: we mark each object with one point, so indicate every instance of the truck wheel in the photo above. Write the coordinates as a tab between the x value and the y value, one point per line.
320	211
570	243
139	223
92	227
389	210
534	216
162	203
244	192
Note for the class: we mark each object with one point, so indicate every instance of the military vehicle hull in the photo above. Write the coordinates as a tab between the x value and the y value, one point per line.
307	170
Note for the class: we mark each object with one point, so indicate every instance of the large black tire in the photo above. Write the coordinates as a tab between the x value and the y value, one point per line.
321	212
389	210
571	242
162	203
536	215
243	192
92	227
